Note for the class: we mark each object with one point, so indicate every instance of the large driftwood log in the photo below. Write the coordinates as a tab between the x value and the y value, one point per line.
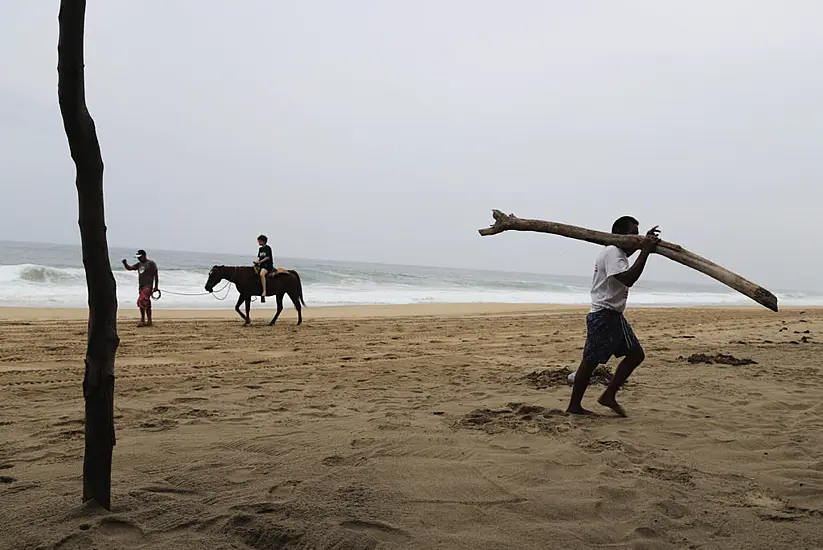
504	222
98	382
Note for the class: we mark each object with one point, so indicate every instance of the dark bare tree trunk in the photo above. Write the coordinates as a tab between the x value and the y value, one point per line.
98	382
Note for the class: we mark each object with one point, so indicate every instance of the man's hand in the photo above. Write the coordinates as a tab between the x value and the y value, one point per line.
651	240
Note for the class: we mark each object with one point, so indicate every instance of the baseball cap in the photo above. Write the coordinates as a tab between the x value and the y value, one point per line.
140	253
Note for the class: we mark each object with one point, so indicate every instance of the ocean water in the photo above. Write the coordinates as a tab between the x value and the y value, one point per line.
44	275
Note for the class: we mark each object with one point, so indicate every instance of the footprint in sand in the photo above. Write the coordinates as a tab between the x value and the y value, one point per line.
671	509
167	489
362	442
337	460
119	528
670	473
259	507
771	509
380	531
603	445
189	399
285	489
646	533
516	416
75	541
261	532
67	435
159	426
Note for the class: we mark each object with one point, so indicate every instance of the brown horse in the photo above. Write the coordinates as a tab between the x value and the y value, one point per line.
247	282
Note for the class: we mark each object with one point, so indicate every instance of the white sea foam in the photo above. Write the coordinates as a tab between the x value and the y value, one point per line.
32	285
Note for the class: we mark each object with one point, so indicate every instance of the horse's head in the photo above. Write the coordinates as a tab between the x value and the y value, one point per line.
216	274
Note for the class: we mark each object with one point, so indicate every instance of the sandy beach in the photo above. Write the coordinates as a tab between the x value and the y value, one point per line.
417	427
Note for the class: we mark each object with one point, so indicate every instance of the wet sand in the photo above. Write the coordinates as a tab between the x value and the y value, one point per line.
417	427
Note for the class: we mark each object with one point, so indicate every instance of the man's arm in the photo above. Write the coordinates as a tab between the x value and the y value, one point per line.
156	278
630	277
129	267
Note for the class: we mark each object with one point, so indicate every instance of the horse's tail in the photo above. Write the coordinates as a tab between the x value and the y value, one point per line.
299	286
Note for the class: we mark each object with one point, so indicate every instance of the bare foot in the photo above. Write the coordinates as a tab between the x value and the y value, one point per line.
141	324
578	410
613	405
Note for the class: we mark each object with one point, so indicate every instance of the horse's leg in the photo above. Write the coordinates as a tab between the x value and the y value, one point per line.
248	309
295	299
279	309
237	306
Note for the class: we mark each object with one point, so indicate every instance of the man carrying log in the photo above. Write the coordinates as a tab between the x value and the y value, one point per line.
607	331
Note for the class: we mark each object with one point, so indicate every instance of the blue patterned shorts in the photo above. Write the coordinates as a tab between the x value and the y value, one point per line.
607	334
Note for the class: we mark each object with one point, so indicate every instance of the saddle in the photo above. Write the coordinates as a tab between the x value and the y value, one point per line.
277	271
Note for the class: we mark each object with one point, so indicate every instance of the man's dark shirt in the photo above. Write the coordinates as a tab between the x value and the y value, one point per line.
146	272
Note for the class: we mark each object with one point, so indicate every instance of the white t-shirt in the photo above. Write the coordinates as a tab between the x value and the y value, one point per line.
607	291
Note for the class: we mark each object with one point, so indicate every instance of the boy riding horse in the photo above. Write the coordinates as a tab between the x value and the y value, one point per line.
264	264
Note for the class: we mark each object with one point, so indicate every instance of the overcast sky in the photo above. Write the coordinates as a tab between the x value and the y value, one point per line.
386	131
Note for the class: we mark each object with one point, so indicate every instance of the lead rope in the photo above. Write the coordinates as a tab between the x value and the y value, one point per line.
214	294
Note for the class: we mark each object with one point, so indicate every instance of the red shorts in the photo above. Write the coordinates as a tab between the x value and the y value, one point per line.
144	300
